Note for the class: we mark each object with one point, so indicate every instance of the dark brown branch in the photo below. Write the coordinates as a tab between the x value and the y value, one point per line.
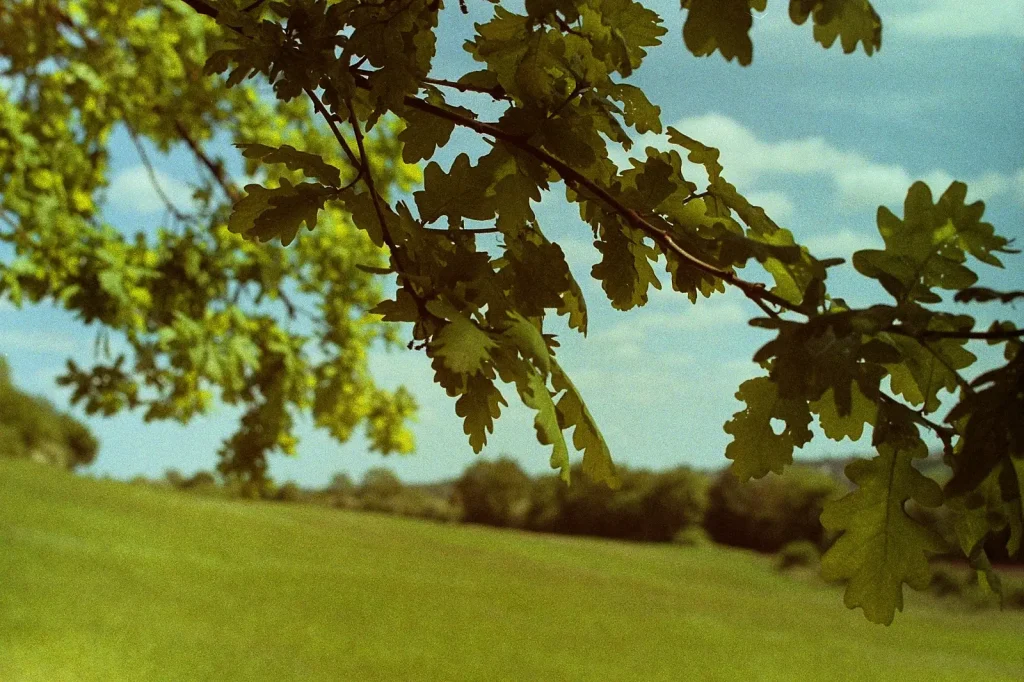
216	168
364	165
464	230
752	290
497	92
331	121
969	335
945	433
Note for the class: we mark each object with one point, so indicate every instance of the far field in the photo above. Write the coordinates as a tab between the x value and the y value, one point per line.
105	581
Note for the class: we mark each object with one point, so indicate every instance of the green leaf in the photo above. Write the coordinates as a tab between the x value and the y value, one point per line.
994	428
402	309
423	135
575	306
534	392
984	295
625	269
479	405
312	165
756	448
881	546
836	426
722	25
928	248
637	110
539	275
463	346
700	153
526	338
852	21
926	367
264	214
463	192
586	437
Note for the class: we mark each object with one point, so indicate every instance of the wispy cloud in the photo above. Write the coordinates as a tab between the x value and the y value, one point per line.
633	339
132	191
937	19
841	243
38	341
752	162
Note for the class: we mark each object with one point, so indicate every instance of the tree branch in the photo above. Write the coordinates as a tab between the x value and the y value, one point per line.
464	230
322	110
497	92
216	168
945	433
752	290
154	181
201	7
994	335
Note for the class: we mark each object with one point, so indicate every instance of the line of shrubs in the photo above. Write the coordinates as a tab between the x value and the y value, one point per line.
679	505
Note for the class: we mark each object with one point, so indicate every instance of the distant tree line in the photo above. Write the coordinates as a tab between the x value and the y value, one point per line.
680	505
774	514
32	428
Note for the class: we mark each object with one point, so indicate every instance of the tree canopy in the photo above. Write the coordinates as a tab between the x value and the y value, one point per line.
475	274
32	428
193	313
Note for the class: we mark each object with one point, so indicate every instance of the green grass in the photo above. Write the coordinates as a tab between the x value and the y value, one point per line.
104	581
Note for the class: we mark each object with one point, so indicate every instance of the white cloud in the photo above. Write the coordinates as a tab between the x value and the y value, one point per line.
132	191
628	339
775	203
860	183
1017	183
841	243
38	342
960	19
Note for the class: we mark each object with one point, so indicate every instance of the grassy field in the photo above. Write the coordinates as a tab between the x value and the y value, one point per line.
105	581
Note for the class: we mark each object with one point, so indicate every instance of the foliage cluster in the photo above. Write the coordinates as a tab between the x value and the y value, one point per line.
559	73
190	314
345	76
770	513
30	427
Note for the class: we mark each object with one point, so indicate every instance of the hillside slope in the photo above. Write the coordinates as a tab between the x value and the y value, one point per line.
105	581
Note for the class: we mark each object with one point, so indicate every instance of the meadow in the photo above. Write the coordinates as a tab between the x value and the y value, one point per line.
101	580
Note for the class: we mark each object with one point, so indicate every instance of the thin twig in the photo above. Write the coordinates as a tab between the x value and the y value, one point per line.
364	164
464	230
154	181
945	433
497	92
992	335
216	168
322	110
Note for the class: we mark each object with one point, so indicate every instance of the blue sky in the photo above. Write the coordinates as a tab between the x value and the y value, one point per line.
817	137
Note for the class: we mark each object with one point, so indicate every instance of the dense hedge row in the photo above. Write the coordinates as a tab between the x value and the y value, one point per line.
680	505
